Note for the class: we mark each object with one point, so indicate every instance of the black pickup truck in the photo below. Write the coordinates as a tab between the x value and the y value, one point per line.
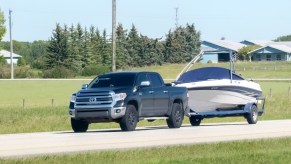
126	98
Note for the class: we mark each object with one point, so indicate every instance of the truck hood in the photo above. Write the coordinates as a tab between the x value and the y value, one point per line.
108	89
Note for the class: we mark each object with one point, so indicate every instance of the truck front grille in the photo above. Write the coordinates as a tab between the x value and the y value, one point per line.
93	99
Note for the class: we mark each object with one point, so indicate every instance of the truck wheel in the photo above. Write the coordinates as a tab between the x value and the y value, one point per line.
129	120
79	126
176	118
195	121
252	117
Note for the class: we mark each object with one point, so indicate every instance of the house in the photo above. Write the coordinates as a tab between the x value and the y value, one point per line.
219	50
261	43
6	55
275	51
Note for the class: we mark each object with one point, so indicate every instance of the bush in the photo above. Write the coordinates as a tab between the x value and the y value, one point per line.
19	72
4	72
22	72
59	72
2	61
21	62
95	70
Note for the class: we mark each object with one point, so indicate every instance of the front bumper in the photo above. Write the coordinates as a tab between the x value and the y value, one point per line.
102	114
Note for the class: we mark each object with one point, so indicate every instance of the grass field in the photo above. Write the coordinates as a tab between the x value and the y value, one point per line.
259	151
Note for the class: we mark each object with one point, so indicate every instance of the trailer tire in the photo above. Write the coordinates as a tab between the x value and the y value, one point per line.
176	117
252	117
194	121
79	126
129	120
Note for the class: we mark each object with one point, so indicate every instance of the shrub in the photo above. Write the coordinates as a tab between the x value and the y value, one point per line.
2	61
21	62
4	72
95	70
59	72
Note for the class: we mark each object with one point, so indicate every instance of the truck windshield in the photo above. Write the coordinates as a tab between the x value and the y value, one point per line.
113	80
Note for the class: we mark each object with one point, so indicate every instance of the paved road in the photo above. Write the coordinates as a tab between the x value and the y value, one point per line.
63	142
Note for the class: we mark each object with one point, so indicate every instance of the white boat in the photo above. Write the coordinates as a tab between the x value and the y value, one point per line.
219	92
212	89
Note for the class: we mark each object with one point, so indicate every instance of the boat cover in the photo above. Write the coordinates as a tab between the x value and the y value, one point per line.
206	73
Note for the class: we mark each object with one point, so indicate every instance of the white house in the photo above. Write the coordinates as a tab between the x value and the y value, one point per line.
6	55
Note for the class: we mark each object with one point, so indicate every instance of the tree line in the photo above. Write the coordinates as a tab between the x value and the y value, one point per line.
76	47
79	49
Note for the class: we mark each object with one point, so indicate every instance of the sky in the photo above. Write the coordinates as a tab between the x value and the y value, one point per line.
234	20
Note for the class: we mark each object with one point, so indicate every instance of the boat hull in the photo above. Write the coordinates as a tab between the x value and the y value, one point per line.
216	100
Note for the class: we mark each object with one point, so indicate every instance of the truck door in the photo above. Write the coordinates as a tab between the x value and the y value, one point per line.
161	95
146	96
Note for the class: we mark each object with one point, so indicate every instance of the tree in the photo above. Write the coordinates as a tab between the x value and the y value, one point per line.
57	49
87	53
21	62
133	45
243	53
283	38
94	44
121	52
182	44
2	26
2	61
105	50
74	58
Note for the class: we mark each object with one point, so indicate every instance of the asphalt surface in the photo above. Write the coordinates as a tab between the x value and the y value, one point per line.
31	144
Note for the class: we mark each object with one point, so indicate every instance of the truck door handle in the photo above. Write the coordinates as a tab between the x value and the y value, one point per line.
151	92
165	91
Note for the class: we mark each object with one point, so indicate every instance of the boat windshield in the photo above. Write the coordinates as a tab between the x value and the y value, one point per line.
207	73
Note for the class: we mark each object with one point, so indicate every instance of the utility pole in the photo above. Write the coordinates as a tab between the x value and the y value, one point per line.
113	35
176	18
11	45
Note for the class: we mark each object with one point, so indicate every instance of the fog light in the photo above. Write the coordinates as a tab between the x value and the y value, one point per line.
70	112
118	111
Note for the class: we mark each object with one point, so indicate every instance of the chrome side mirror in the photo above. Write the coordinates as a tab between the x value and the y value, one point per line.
145	83
84	86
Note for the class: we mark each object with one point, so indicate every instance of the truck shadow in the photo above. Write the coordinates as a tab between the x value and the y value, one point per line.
148	128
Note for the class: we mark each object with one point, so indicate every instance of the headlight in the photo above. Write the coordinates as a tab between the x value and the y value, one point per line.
73	98
119	96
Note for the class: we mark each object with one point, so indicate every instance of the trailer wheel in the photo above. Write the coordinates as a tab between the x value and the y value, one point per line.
79	126
176	117
129	120
195	121
252	117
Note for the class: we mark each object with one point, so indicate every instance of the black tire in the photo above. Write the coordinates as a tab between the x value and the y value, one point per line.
129	120
177	115
252	117
79	126
194	121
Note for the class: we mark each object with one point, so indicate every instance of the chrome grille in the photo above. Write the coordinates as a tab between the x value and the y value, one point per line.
93	99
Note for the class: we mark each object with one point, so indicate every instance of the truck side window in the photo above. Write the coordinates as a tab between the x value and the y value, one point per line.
140	78
155	80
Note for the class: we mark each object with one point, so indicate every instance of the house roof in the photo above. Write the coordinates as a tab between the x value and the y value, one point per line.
280	43
227	44
6	54
281	46
259	42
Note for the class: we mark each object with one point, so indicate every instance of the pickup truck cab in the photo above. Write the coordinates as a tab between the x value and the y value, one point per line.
126	98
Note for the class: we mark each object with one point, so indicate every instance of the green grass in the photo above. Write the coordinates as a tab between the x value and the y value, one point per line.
249	70
37	93
258	151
